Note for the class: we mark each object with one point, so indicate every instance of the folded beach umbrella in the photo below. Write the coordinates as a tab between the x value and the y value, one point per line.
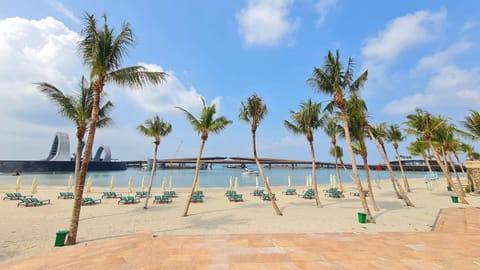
307	182
70	183
334	181
268	180
198	184
18	186
143	183
34	185
170	184
164	184
231	183
236	184
256	181
89	185
289	181
112	183
130	185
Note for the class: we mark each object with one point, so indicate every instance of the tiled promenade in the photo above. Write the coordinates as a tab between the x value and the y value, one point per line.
454	244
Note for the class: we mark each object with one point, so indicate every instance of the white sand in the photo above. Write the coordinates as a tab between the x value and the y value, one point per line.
26	231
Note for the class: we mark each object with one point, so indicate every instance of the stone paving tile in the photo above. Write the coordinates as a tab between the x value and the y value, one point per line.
454	244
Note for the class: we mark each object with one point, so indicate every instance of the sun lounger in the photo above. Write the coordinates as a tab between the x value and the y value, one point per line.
266	197
357	194
19	195
336	194
65	195
171	194
128	200
90	201
235	197
258	192
10	196
197	198
290	191
39	202
111	195
26	202
162	199
309	194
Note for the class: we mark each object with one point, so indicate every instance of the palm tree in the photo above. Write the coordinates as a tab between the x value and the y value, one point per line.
253	111
305	122
423	124
338	151
472	124
206	124
333	129
377	133
155	128
357	120
78	109
420	147
103	53
394	135
337	82
469	150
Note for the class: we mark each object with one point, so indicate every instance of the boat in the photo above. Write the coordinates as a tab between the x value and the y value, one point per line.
249	172
59	160
235	166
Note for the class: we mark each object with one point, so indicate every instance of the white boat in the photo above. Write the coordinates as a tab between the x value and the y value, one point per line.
249	172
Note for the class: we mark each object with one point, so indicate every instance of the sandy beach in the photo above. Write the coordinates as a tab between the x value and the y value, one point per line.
28	231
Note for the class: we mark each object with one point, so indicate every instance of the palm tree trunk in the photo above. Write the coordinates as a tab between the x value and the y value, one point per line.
78	154
356	177
80	178
446	173
336	168
265	182
314	175
369	183
456	174
396	186
154	168
195	179
405	181
458	161
427	162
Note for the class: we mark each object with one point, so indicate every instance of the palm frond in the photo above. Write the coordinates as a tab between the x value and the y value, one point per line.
137	76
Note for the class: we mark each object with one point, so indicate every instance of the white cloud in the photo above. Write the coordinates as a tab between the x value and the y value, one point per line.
323	7
445	57
403	33
64	11
164	98
266	22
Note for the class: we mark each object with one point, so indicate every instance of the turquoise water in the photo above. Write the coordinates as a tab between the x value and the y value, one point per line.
216	177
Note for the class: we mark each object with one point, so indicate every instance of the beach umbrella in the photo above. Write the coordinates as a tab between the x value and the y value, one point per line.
143	183
256	181
236	184
70	183
130	185
164	184
170	184
34	185
268	180
334	181
289	182
19	183
112	183
331	181
231	183
307	182
89	185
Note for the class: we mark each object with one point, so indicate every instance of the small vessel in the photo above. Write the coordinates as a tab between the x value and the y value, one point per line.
235	166
249	172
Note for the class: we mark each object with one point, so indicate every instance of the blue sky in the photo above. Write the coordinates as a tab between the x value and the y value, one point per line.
418	53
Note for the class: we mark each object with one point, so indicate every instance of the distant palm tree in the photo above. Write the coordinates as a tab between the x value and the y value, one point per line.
78	109
305	122
358	121
206	124
103	53
338	82
469	150
394	135
155	128
333	129
253	111
424	125
420	147
377	134
472	124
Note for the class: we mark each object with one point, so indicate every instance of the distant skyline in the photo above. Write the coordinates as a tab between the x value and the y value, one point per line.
418	54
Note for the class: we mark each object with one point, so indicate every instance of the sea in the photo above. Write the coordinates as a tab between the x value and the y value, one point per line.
217	176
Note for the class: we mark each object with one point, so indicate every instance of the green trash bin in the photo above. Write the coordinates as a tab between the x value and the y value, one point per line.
449	188
362	217
454	199
60	240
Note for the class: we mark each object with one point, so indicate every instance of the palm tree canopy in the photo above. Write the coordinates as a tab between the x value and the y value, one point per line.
357	117
472	124
78	107
207	122
155	128
394	135
336	81
306	120
253	111
338	149
332	128
417	147
103	52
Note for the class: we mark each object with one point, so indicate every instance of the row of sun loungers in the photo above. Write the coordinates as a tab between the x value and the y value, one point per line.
66	195
15	196
32	202
233	196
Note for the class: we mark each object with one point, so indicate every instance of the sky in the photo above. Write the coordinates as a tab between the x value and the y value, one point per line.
417	53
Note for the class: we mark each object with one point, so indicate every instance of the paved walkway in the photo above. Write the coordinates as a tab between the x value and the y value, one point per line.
454	244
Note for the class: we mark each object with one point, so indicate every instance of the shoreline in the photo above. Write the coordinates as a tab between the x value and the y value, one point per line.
26	230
